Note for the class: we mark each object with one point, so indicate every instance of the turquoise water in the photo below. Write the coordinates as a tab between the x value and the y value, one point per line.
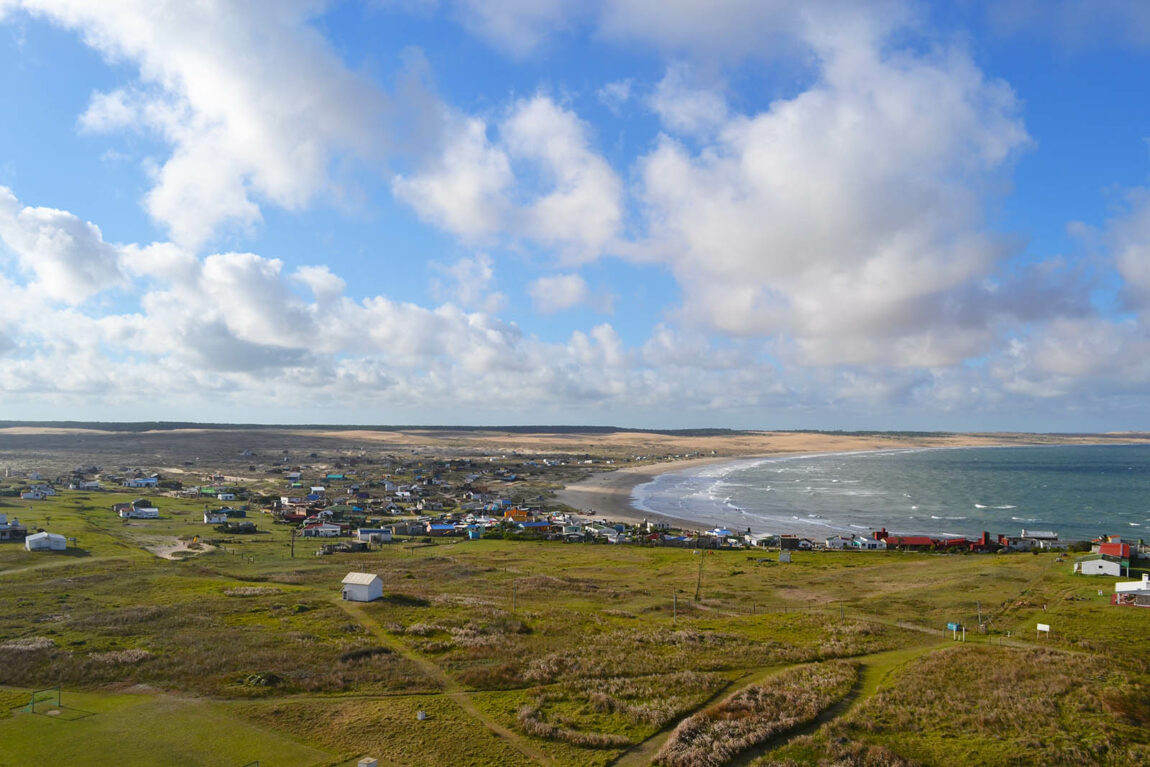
1079	492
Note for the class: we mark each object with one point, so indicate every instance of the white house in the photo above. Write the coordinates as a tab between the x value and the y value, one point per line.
362	587
838	542
45	542
93	485
140	512
32	495
225	496
322	530
868	544
374	534
215	517
1141	587
1100	564
142	482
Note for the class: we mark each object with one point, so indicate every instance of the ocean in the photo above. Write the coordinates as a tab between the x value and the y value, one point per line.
1079	492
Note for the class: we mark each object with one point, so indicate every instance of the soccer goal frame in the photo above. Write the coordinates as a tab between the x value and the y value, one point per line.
41	700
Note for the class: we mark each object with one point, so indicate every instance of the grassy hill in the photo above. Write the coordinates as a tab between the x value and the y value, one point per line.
524	652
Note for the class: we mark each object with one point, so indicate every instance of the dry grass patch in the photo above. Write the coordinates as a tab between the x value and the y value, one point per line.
989	705
756	714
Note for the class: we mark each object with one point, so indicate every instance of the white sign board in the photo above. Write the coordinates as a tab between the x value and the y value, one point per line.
1044	627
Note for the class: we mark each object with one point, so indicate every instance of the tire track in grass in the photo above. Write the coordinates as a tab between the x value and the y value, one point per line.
641	754
874	668
449	686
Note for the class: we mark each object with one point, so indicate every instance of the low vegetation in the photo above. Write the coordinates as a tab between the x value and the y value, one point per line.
531	651
756	714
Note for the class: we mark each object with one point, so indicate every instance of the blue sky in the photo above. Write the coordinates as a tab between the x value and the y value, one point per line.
743	213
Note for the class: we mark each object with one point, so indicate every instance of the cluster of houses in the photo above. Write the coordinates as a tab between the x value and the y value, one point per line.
881	540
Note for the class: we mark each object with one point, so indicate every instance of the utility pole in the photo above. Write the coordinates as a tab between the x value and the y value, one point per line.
293	534
514	595
979	612
675	614
699	581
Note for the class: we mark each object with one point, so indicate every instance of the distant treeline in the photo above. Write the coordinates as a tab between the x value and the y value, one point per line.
869	433
141	426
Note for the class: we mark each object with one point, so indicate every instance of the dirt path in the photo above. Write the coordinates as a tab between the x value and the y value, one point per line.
874	670
643	753
61	562
450	687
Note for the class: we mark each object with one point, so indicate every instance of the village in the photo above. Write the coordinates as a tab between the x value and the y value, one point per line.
356	503
457	590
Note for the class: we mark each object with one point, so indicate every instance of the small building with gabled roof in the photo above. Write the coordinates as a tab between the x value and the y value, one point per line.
43	541
362	587
1098	564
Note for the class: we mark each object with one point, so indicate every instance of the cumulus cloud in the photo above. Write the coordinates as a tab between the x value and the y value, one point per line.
580	211
540	180
554	294
685	107
464	188
252	100
846	219
469	282
67	257
1129	237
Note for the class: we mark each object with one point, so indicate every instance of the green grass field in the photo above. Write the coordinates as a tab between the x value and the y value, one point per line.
145	729
542	653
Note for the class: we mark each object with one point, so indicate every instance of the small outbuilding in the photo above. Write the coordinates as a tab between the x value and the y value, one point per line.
362	587
1099	564
45	542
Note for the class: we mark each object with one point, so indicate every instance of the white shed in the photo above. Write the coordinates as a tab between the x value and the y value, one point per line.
1098	565
362	587
45	542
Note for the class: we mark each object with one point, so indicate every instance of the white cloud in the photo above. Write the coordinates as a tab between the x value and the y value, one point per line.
469	283
558	292
518	27
67	256
614	95
848	218
580	213
252	100
540	181
464	188
686	108
1129	236
324	285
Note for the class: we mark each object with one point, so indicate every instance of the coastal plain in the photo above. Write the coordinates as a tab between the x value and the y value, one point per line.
170	642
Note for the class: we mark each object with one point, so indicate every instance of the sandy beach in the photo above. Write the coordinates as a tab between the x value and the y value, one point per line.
607	494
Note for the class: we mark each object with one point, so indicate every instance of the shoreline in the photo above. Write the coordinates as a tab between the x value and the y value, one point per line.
607	495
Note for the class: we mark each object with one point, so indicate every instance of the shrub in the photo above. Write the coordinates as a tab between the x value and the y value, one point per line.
529	719
755	714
